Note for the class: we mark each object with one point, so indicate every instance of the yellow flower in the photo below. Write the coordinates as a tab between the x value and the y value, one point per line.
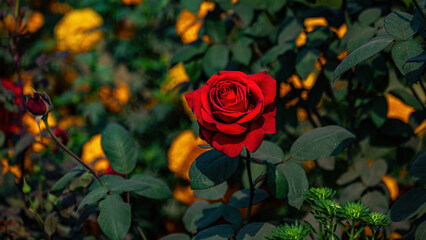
397	109
14	169
116	98
188	24
132	2
183	151
67	122
421	129
176	76
184	194
92	150
93	154
341	31
31	123
10	24
35	22
311	23
77	31
392	185
301	39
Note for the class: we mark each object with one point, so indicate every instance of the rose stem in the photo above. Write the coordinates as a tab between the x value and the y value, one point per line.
72	154
251	187
419	9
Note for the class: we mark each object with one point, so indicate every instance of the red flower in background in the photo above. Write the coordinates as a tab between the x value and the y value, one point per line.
234	109
9	121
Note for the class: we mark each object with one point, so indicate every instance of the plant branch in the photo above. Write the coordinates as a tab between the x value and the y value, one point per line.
72	154
417	97
251	188
416	4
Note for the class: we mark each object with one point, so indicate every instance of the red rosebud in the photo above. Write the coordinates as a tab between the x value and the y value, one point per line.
39	105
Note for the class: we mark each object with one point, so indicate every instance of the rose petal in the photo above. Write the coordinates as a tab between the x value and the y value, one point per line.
267	84
206	135
269	115
228	144
228	117
254	138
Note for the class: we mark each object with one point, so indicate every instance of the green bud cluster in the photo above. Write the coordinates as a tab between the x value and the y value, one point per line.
294	231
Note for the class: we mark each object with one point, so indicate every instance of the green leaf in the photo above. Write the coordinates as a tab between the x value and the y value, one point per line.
64	180
261	28
369	16
50	224
421	231
256	171
358	36
274	5
373	175
188	52
401	25
157	189
376	201
419	58
321	142
269	152
218	232
191	5
348	177
277	182
305	62
211	168
380	109
215	29
352	192
214	193
232	215
335	4
255	231
201	214
109	181
297	182
406	97
176	236
318	37
119	148
93	197
129	185
241	198
114	217
364	52
215	59
408	205
404	50
245	12
291	28
418	169
275	52
241	53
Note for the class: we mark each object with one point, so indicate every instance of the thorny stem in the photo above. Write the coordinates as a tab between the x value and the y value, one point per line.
251	187
72	154
419	9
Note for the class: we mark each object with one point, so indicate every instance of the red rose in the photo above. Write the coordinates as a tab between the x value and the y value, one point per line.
234	109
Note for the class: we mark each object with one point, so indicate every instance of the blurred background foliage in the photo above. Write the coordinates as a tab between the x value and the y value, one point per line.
131	61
